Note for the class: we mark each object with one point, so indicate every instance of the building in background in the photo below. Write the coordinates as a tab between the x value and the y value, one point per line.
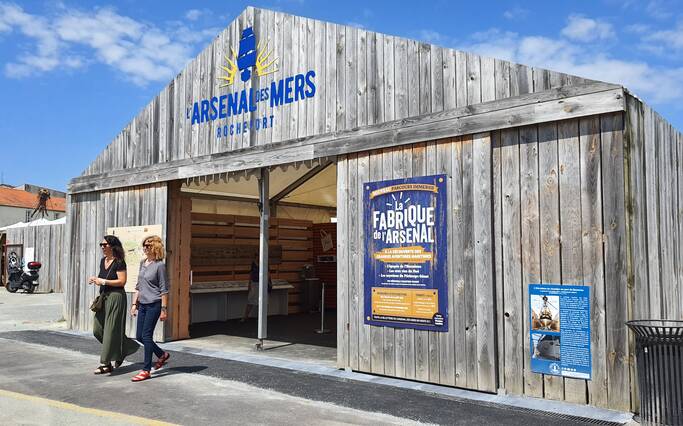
17	204
34	189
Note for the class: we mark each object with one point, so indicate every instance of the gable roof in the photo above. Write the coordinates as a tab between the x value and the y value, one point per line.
17	198
362	78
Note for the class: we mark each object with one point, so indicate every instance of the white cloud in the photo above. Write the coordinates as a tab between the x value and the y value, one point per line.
580	28
494	43
194	14
356	24
433	37
637	28
582	60
666	39
45	56
516	13
142	52
659	9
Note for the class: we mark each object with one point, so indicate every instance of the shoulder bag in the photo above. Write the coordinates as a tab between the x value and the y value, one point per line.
98	303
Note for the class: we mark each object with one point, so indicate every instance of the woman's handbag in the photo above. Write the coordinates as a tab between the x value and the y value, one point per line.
98	303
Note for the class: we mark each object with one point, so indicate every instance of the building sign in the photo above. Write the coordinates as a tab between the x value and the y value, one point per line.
131	239
251	59
559	318
406	277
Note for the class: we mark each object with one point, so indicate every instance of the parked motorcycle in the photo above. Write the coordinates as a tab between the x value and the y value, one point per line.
18	279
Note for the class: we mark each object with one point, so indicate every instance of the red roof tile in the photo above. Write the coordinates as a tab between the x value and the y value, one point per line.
28	200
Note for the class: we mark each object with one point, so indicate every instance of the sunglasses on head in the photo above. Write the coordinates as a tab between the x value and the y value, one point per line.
146	245
103	245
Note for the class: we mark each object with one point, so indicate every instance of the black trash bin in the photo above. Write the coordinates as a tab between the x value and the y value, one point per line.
659	364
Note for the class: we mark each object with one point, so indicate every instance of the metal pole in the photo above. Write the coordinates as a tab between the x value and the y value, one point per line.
322	312
264	207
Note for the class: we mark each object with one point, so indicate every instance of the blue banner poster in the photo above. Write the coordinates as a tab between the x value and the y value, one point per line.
405	233
560	327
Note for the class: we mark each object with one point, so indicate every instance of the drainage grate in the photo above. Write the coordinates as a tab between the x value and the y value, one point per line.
560	416
578	420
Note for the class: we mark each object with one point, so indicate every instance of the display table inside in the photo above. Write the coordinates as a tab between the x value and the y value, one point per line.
225	300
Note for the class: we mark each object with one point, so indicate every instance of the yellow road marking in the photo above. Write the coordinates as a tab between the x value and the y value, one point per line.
84	410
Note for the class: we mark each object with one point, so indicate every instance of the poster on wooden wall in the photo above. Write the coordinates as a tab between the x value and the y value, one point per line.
560	334
131	238
405	234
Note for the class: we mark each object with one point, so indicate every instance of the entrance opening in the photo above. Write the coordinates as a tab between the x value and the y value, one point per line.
225	233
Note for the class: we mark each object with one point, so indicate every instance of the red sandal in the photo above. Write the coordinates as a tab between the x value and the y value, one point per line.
143	375
162	361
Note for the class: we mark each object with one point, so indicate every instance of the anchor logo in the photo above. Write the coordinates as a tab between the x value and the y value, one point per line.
250	57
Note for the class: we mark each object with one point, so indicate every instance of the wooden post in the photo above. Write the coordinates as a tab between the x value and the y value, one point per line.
264	208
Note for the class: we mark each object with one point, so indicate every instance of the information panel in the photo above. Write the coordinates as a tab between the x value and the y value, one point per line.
406	277
131	238
560	330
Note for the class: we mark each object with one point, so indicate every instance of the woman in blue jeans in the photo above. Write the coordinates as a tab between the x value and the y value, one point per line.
149	303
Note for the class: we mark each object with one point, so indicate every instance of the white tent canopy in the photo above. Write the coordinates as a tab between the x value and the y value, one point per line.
38	222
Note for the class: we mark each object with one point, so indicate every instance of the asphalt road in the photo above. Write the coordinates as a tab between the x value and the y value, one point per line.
196	389
46	378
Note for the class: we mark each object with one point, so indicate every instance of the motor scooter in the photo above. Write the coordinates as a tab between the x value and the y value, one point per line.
18	279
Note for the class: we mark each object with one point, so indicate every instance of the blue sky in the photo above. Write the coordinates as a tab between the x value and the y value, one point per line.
74	73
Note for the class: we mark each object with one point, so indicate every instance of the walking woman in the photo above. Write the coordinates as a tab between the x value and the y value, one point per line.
150	302
109	326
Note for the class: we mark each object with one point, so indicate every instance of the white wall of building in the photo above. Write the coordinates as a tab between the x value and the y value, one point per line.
11	215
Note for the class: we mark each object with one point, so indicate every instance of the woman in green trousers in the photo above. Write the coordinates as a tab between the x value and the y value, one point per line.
109	326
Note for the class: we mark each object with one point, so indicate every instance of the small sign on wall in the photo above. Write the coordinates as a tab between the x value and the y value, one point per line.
405	233
131	238
560	333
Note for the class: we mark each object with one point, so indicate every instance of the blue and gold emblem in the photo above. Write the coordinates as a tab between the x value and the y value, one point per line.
249	58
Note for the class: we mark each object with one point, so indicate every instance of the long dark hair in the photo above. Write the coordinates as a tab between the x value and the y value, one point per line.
116	247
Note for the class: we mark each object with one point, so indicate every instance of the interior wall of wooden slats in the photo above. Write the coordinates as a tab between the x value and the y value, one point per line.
295	237
326	271
362	78
89	216
654	156
47	242
528	205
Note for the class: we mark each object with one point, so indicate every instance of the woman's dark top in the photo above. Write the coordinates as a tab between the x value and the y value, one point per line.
253	273
110	274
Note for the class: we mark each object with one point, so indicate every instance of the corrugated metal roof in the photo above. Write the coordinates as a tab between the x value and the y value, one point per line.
18	198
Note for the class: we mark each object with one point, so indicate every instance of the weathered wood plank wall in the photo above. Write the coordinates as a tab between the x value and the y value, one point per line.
47	242
464	356
527	205
654	205
361	77
568	208
654	162
88	218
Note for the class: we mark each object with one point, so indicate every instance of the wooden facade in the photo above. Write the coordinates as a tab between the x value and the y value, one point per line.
48	242
362	78
88	217
552	178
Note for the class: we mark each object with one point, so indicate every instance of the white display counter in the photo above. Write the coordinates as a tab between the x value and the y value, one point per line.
225	300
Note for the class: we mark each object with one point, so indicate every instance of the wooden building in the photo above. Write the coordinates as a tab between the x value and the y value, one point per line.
552	178
42	241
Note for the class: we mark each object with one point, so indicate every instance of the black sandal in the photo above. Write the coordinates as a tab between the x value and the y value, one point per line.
103	369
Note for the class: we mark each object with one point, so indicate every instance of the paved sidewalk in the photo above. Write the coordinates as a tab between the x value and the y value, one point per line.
175	395
17	408
197	389
21	311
